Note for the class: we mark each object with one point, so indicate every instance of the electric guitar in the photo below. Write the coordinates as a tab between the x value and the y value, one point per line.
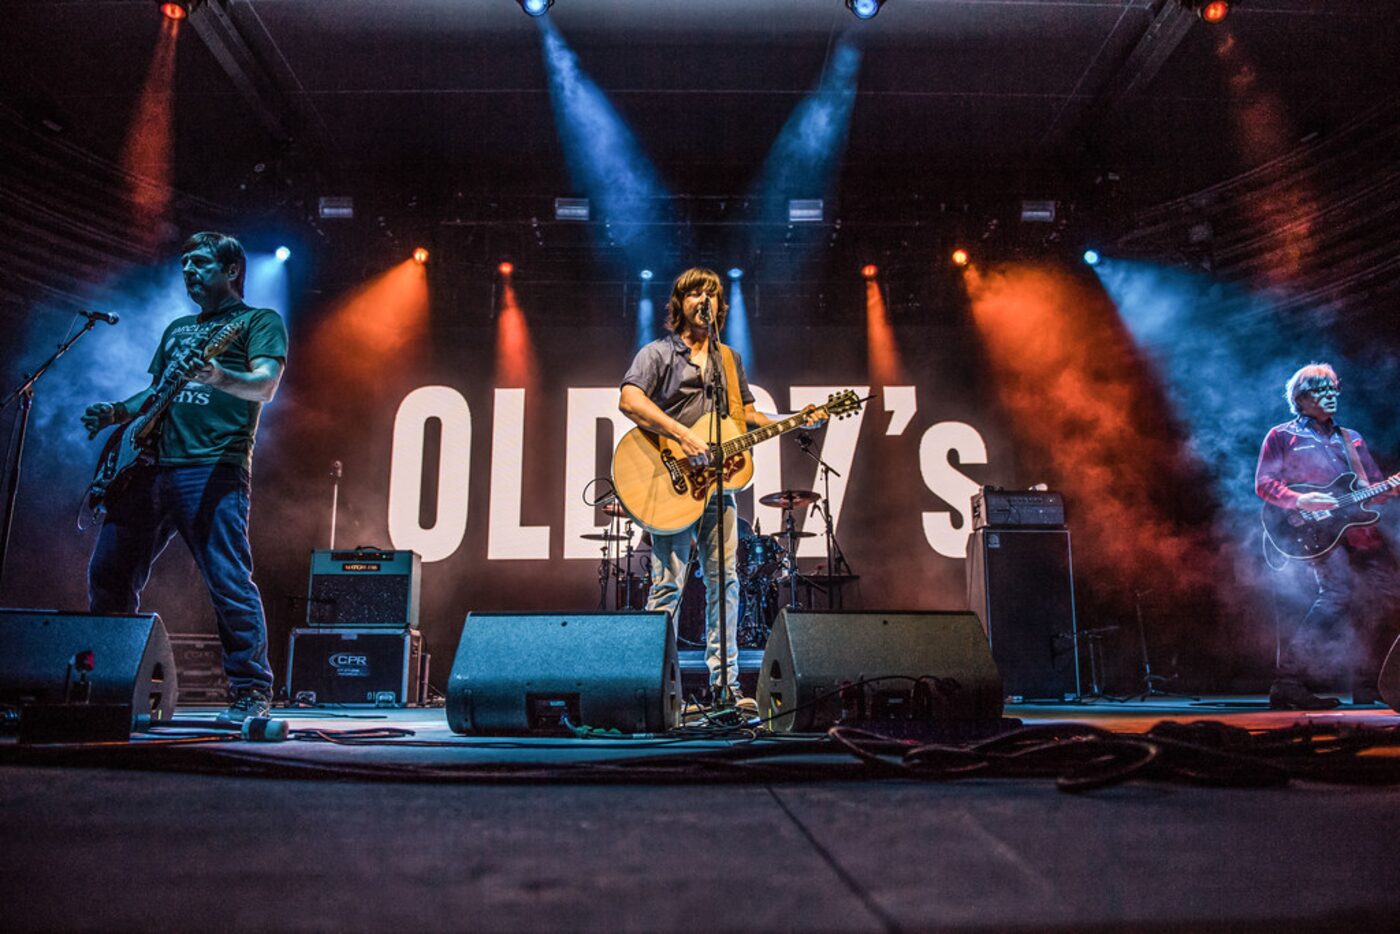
664	494
133	444
1308	534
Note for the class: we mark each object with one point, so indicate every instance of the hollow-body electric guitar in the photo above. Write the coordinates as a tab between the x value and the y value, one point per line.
1308	534
663	493
134	443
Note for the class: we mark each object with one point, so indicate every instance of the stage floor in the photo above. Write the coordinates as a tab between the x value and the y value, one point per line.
458	832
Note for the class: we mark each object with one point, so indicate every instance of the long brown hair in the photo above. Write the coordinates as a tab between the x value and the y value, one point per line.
697	277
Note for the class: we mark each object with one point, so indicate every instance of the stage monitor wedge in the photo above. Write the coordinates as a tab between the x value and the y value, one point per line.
932	666
131	660
524	673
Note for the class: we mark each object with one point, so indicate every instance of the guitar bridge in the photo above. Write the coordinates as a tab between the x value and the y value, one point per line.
677	475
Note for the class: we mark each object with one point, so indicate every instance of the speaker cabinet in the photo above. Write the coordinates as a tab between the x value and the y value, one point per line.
132	665
919	666
518	673
1020	585
357	667
364	587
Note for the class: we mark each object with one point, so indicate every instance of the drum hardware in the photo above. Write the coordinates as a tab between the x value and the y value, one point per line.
789	499
835	559
604	537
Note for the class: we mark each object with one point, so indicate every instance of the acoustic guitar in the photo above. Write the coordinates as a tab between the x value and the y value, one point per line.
664	493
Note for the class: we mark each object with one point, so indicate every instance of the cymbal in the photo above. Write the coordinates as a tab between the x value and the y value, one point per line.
796	534
603	537
614	509
788	499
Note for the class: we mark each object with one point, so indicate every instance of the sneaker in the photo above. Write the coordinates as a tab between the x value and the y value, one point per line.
737	701
1291	695
247	703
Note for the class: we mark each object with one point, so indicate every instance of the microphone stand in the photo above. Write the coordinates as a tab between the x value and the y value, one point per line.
720	406
336	471
25	396
804	441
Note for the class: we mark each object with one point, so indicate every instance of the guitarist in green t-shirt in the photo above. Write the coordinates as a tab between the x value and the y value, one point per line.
198	419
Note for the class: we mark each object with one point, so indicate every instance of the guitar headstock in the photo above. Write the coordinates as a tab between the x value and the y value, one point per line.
843	403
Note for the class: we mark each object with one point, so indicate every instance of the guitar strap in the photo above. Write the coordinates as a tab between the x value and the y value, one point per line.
731	379
1348	443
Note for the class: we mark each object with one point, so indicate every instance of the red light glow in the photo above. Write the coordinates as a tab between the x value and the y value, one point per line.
960	257
420	256
506	268
1215	12
870	270
175	11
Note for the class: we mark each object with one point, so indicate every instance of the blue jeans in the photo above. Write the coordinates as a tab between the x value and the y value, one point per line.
670	556
207	506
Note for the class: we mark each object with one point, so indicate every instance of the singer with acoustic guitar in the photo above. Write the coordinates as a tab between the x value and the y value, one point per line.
180	462
664	392
1314	476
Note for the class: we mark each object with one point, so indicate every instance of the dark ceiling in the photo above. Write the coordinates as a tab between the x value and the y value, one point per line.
433	111
452	93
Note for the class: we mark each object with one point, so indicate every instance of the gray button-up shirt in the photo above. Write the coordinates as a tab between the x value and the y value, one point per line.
663	370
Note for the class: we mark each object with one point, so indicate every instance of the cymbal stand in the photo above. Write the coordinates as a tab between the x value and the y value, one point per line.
834	555
1149	680
790	559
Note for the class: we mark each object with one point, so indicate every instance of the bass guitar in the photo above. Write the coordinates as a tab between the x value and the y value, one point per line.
133	444
664	493
1308	534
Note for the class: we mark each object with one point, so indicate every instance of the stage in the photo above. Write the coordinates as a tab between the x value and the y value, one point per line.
434	830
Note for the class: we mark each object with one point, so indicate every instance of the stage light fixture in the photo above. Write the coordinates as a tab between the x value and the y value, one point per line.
506	267
1091	257
1210	11
961	257
283	254
572	209
646	275
178	9
336	207
870	270
736	273
806	210
864	9
536	7
420	256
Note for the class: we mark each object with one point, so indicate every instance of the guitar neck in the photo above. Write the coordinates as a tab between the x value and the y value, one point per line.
771	430
1365	493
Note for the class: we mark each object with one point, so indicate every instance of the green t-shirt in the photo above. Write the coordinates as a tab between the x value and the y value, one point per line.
205	425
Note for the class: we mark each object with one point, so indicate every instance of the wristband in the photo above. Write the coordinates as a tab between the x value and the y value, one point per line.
119	413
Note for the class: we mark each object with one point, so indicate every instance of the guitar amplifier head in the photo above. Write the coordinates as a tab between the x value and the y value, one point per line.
364	587
1017	509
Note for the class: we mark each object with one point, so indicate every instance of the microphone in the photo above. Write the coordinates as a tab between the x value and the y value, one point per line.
804	440
704	312
100	316
336	469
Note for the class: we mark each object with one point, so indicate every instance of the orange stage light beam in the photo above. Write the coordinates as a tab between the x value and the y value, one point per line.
882	350
515	353
382	325
147	153
1084	404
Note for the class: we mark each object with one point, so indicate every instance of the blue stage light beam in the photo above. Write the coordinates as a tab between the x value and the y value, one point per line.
647	329
803	160
266	285
736	326
1222	354
605	160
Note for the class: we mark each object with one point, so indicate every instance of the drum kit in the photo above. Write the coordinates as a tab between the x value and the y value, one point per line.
767	565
